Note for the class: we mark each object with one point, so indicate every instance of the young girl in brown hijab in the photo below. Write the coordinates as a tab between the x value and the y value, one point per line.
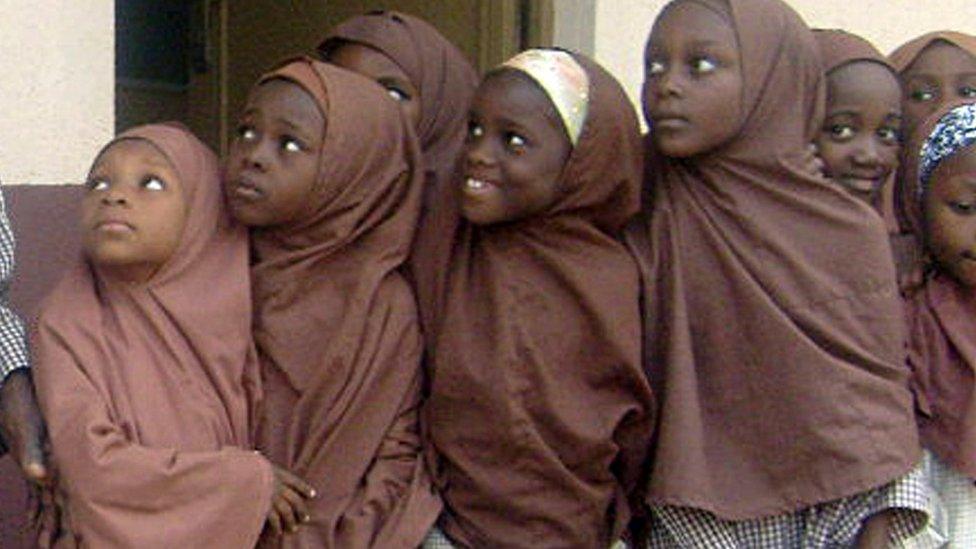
861	135
940	206
326	172
538	415
772	324
145	368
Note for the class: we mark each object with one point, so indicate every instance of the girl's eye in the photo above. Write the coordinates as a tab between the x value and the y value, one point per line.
398	95
153	184
291	145
97	184
922	96
889	136
655	68
967	92
703	65
841	132
963	208
514	141
475	130
246	133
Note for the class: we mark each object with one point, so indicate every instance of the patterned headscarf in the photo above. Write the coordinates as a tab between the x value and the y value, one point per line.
563	80
955	130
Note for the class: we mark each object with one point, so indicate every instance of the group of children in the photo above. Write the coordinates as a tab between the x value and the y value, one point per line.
435	312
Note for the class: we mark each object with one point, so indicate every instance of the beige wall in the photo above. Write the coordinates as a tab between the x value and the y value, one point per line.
622	25
57	62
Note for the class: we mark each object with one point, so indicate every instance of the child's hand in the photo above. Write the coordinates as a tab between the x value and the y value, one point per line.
288	508
22	427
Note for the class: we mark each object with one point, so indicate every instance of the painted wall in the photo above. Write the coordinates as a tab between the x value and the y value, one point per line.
57	58
622	25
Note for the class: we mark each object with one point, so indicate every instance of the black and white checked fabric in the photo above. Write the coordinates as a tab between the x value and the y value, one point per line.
953	524
832	525
13	337
437	540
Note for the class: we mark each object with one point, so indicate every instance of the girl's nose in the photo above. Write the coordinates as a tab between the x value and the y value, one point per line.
868	154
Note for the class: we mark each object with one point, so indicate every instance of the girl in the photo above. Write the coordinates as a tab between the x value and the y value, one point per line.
325	171
771	311
935	69
861	135
538	414
941	160
145	368
433	83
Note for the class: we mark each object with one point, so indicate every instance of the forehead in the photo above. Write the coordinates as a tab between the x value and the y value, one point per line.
286	100
941	58
961	163
692	21
130	153
864	83
515	96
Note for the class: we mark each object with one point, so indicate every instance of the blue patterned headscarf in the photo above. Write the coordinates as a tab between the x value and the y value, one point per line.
955	130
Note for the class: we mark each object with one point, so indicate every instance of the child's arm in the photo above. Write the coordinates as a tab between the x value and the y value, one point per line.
20	420
121	494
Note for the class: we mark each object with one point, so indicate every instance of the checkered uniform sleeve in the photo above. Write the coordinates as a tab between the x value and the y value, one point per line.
13	336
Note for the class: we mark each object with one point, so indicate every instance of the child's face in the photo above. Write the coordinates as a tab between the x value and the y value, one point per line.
134	211
514	153
860	138
943	72
692	81
274	158
950	216
374	65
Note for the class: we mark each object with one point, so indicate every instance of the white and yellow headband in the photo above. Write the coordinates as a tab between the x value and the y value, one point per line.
563	80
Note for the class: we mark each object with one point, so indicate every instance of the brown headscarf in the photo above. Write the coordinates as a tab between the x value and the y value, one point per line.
772	323
147	388
445	82
905	55
337	329
942	335
444	79
539	414
838	48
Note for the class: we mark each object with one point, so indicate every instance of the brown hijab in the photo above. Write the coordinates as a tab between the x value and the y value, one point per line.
838	48
337	329
772	324
147	388
444	79
539	414
942	335
445	82
905	55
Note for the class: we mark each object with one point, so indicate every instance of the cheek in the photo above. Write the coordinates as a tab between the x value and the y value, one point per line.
411	109
835	156
293	190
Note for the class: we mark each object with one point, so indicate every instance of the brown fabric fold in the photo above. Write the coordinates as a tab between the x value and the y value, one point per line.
838	48
445	82
337	329
539	414
941	335
147	389
772	322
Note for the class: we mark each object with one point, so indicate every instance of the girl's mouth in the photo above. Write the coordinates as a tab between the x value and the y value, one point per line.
477	186
247	190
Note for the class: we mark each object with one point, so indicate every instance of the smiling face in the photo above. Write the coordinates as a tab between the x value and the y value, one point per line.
860	138
273	162
692	81
376	66
950	216
942	73
515	151
134	211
